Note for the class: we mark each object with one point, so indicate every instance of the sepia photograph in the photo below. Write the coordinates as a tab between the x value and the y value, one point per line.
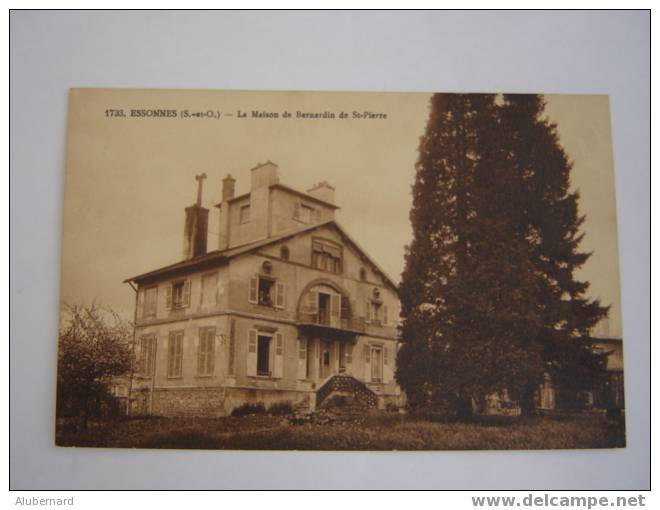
255	270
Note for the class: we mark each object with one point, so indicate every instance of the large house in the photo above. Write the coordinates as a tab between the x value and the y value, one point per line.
288	308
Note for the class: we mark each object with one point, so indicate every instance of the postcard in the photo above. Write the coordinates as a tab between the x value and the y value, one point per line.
339	271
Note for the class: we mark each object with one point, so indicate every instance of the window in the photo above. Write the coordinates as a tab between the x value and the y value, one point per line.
147	359
306	213
266	291
175	354
326	256
363	274
284	253
244	214
209	297
377	364
265	354
206	351
150	301
178	295
372	312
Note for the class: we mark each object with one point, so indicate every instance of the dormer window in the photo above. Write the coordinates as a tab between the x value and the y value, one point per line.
306	213
326	256
244	216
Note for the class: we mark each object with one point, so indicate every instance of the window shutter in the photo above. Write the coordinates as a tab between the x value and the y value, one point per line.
349	354
186	292
254	288
179	354
313	302
210	351
152	355
367	309
140	303
335	305
168	297
345	307
384	314
201	352
280	296
387	366
367	362
142	357
252	352
170	355
302	358
367	353
278	367
232	347
296	210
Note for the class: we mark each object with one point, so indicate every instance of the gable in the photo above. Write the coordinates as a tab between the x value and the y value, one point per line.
354	260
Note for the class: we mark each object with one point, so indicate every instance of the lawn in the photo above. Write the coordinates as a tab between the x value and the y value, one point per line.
374	431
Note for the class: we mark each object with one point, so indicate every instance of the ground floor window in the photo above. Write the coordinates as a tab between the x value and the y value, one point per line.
263	355
377	364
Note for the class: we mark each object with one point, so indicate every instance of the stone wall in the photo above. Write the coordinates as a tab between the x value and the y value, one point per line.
214	402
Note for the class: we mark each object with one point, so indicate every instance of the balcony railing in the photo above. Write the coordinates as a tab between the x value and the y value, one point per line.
325	321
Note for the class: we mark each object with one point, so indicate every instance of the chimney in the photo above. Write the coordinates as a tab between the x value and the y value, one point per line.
228	186
228	191
323	191
196	228
264	175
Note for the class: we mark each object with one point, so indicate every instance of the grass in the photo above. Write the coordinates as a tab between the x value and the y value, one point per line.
374	431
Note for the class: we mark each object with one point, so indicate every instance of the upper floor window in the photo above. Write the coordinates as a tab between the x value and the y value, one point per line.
376	313
150	301
178	294
284	253
209	296
244	214
326	256
266	291
363	274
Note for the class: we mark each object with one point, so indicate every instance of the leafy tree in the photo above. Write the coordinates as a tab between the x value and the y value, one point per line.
94	347
482	312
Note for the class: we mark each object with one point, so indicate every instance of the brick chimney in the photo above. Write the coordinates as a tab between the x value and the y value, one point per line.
323	191
195	231
228	187
228	191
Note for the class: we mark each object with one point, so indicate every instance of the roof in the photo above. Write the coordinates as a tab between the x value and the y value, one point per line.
290	190
217	257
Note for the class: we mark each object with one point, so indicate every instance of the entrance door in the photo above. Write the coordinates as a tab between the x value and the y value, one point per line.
325	359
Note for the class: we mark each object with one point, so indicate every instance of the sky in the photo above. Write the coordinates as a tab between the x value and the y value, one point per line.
129	179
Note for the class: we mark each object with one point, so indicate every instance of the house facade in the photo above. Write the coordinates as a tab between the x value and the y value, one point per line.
288	308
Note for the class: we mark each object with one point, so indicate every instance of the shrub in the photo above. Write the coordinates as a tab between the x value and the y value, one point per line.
248	408
281	408
392	407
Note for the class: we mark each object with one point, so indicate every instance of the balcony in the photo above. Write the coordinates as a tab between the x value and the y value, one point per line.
323	325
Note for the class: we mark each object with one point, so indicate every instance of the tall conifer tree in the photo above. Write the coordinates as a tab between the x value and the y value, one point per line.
489	298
